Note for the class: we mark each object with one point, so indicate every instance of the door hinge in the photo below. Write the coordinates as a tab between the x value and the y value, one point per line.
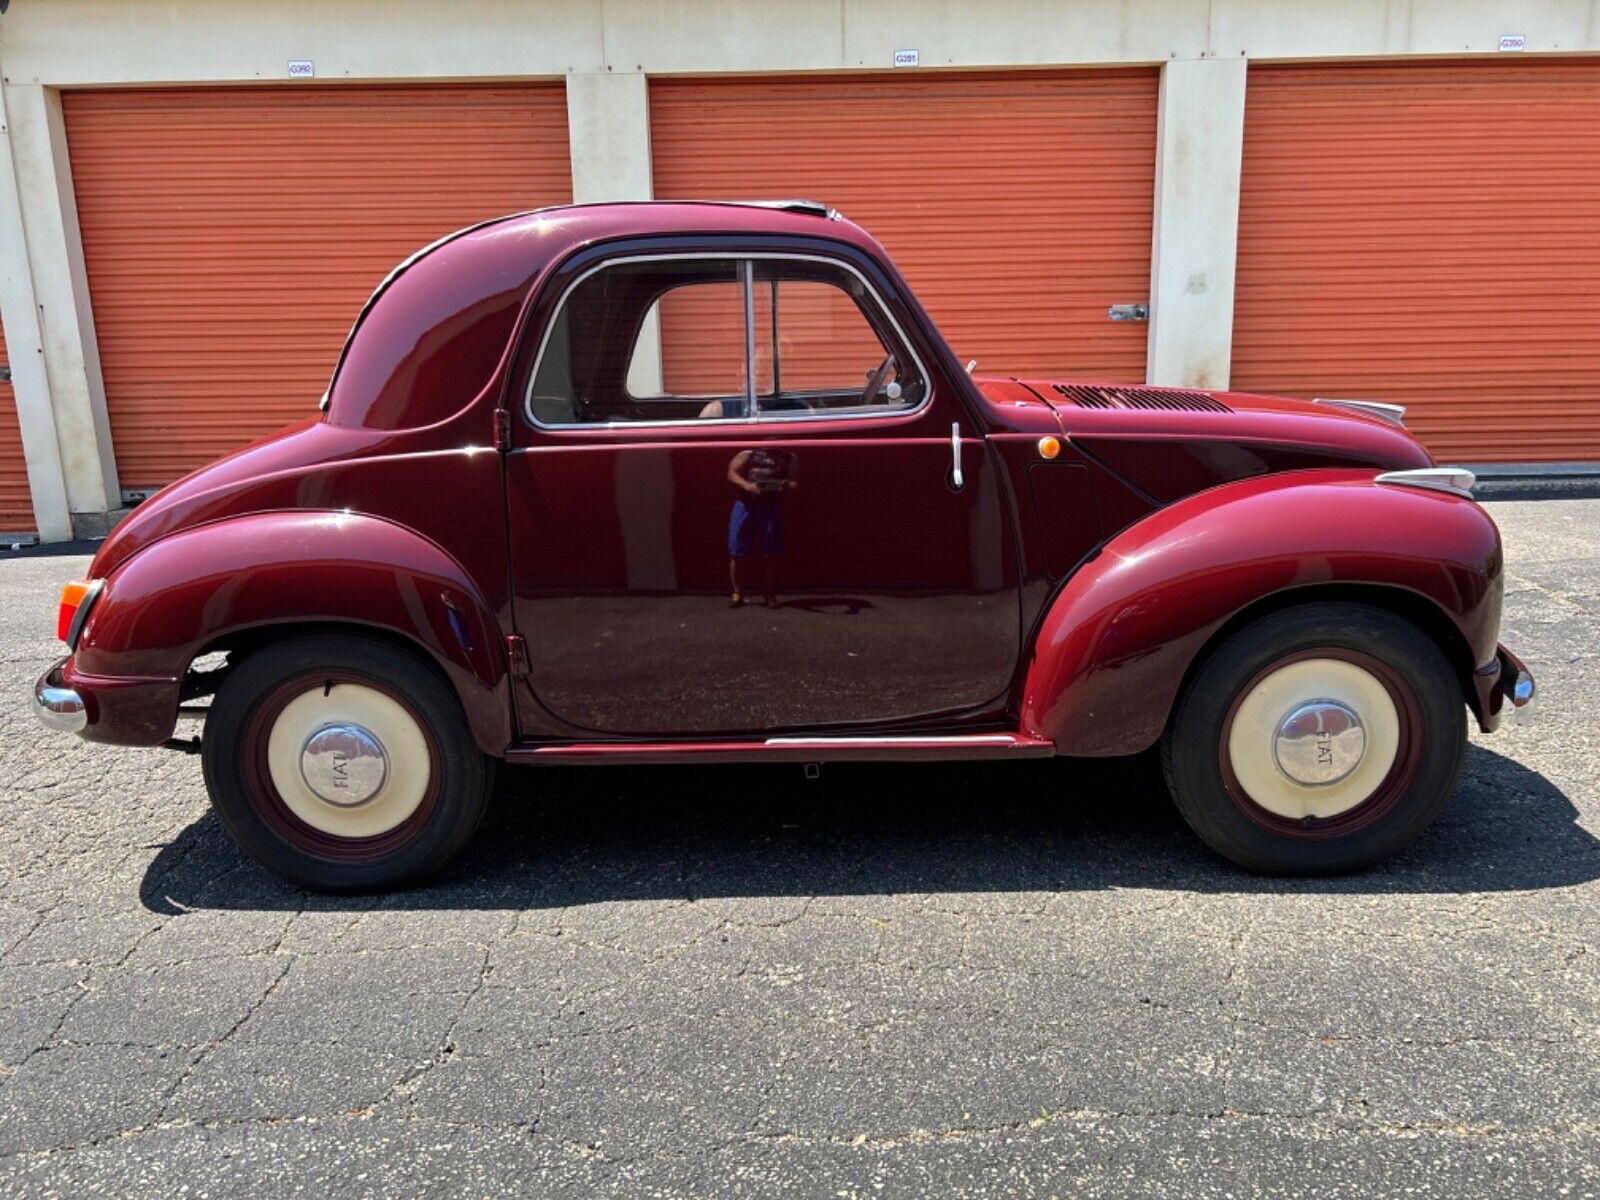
502	429
517	653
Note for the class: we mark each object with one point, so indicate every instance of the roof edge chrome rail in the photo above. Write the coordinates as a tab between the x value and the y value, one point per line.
810	208
1457	481
1394	414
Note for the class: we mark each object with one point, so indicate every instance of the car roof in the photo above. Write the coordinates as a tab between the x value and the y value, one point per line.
553	233
508	255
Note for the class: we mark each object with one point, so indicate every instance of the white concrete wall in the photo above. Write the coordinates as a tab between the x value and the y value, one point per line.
78	42
1195	240
606	49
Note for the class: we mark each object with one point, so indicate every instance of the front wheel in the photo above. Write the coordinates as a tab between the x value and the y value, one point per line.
1320	739
343	764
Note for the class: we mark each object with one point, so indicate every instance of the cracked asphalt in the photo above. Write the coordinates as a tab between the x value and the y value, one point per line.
1016	979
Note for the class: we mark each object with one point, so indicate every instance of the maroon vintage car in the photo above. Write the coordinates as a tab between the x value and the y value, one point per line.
701	482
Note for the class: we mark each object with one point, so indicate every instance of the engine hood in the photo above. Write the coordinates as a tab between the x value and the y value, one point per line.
1171	442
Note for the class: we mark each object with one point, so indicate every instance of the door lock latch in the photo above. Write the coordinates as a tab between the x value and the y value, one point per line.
1129	312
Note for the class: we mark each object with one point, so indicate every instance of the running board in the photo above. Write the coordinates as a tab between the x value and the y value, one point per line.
909	748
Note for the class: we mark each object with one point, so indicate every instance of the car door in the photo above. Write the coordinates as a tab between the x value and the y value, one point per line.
741	502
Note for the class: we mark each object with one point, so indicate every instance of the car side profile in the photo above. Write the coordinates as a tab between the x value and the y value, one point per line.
701	482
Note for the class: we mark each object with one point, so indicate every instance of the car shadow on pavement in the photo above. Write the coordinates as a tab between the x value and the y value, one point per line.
560	836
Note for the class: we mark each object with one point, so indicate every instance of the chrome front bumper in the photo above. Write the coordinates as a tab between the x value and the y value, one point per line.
58	706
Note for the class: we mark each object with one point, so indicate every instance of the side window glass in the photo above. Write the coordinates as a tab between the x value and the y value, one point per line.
692	346
824	347
678	339
659	340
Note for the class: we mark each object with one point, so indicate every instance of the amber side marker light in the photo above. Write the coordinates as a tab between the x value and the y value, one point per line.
77	598
1049	447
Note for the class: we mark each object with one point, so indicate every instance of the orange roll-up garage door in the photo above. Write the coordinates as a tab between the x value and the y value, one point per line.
1428	234
16	503
1018	205
232	234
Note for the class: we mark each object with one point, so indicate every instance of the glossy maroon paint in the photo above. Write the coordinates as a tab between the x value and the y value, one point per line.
199	587
880	617
1061	601
1112	653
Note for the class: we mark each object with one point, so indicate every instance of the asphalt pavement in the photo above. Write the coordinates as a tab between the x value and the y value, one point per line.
1011	979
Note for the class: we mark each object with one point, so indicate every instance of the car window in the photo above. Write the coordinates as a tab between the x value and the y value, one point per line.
692	346
646	340
679	339
823	346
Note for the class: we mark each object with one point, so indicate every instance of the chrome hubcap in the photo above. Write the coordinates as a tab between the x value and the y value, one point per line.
344	764
1319	743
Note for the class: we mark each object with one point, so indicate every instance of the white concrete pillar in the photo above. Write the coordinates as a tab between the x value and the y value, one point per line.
61	294
25	354
1199	141
608	130
608	134
608	123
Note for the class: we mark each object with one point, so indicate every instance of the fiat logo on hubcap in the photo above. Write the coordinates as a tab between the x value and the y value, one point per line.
344	764
1319	743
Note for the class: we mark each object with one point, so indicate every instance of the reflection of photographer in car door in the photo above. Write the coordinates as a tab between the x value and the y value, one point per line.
755	526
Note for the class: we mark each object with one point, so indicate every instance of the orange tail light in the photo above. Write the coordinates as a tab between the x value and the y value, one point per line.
76	599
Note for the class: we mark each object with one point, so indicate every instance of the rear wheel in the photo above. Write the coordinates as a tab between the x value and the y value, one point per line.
1320	739
344	764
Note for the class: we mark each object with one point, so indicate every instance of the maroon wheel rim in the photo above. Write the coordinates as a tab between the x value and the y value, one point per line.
1394	785
277	815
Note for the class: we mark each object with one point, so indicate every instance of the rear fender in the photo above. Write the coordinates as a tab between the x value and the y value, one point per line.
255	573
1117	642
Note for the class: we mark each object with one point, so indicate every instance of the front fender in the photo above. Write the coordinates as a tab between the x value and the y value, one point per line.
1117	641
163	605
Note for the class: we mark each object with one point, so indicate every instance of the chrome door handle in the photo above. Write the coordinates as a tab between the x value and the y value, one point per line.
957	480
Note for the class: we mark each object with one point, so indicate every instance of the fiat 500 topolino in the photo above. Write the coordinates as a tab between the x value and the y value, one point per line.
701	482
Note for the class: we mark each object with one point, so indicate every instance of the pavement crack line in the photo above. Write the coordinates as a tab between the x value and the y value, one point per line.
211	1048
408	1084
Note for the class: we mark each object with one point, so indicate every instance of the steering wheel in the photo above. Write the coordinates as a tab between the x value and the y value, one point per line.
877	379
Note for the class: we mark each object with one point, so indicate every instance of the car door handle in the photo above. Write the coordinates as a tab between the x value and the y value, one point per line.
957	480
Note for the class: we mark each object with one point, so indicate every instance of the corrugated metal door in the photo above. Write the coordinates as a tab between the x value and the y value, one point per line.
1018	205
1428	234
232	234
16	502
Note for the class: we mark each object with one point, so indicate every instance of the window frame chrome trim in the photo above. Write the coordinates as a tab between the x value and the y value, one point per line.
747	260
748	271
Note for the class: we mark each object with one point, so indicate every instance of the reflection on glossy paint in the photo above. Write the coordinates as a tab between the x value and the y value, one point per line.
756	533
893	596
646	500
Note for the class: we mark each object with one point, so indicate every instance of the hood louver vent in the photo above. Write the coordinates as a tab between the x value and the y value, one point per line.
1169	399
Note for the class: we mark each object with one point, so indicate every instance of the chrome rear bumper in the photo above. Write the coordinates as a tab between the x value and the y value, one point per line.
58	706
1516	680
1502	687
